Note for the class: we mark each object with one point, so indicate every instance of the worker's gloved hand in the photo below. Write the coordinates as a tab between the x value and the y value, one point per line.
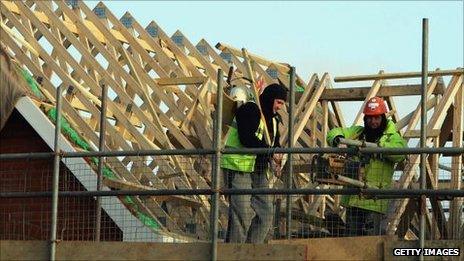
336	141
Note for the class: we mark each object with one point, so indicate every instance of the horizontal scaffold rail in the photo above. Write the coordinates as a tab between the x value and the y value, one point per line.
170	152
399	193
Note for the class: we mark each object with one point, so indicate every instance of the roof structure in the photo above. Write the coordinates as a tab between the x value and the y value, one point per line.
161	96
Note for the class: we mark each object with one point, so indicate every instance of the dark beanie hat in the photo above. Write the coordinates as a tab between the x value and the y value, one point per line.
275	91
270	93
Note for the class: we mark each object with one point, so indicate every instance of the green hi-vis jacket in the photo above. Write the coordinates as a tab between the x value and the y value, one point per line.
239	162
379	170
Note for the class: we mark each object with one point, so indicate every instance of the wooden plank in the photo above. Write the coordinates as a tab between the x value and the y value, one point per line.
283	68
124	185
416	133
86	250
325	122
337	112
311	106
342	248
360	93
393	109
438	213
455	220
180	81
456	72
312	84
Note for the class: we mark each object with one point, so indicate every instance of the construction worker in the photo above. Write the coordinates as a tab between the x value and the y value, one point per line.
363	216
250	216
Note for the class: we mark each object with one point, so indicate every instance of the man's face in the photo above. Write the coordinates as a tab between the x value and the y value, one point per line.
374	121
278	104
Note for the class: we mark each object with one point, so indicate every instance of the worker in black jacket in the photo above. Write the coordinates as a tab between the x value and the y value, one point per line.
250	216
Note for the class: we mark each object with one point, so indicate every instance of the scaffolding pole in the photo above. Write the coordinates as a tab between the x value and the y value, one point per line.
423	131
56	176
450	151
291	121
217	128
101	148
446	194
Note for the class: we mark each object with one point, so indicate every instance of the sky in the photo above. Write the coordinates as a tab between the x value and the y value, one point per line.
339	37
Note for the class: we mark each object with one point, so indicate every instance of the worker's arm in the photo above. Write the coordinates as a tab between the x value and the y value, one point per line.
348	133
393	140
248	117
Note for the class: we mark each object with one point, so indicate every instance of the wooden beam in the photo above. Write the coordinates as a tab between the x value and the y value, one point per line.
455	220
180	81
416	133
369	77
360	93
124	185
283	68
11	6
311	106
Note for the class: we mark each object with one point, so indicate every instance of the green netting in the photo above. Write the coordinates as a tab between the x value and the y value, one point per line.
129	200
68	130
146	220
107	172
32	83
65	126
77	140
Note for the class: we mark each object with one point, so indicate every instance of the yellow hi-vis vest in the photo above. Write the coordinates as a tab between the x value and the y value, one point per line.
239	162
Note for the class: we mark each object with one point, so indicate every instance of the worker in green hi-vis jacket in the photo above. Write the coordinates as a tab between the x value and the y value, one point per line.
367	216
250	216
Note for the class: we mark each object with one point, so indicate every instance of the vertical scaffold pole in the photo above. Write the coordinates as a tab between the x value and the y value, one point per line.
291	121
216	167
101	147
56	176
423	132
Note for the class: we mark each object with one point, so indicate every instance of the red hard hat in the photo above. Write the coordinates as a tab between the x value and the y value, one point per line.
375	106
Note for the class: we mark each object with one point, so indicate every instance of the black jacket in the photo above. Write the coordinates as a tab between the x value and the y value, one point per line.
248	117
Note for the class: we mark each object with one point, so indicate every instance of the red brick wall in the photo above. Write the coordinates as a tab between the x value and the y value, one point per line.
30	218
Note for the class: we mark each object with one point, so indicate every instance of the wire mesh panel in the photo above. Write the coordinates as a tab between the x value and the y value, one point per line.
248	218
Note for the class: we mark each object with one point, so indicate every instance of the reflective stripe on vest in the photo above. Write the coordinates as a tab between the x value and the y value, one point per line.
239	162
